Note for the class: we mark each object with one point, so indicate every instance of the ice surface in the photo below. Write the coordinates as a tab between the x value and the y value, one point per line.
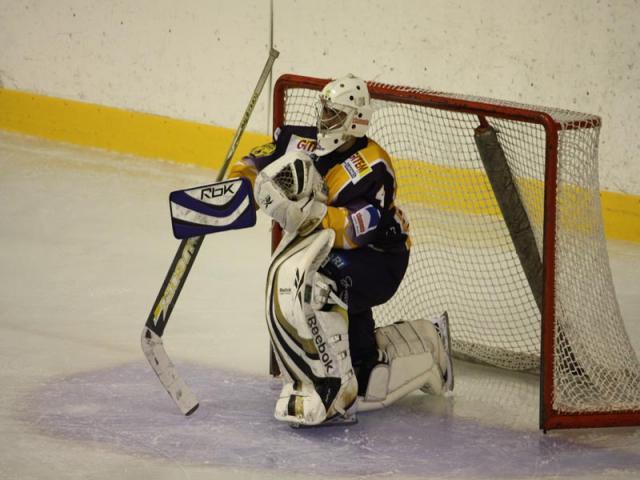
86	241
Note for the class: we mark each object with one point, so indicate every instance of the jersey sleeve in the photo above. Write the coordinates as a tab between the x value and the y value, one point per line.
249	165
355	224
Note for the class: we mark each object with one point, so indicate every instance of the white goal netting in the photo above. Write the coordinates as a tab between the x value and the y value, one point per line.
463	259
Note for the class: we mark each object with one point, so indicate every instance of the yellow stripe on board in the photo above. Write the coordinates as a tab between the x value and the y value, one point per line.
120	130
154	136
621	214
431	185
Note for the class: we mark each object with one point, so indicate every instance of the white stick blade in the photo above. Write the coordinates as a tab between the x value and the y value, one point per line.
181	394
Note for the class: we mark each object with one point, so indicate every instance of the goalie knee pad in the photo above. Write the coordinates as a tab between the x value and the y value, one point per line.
414	357
309	335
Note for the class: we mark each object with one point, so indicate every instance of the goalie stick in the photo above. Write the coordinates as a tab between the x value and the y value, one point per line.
151	338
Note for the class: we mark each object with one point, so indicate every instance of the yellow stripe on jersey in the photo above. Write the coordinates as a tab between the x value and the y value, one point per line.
355	168
404	224
336	179
373	152
337	218
244	168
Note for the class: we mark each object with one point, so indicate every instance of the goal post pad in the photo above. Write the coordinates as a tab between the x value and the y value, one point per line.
511	207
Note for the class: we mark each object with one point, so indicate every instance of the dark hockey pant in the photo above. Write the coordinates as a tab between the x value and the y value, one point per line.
365	278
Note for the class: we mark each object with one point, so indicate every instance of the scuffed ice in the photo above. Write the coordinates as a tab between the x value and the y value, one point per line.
125	408
86	242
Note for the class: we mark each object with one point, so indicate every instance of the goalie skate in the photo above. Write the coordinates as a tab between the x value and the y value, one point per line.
441	324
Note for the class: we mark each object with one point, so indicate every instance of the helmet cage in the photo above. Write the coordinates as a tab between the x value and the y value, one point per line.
333	118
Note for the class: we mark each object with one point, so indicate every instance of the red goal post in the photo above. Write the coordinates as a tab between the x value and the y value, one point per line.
503	202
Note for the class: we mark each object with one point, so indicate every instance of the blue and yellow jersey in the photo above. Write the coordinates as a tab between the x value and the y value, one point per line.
361	184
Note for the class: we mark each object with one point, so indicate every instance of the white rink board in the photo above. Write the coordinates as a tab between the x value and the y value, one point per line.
197	59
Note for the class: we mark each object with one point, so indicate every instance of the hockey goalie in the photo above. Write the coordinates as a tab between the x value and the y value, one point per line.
345	249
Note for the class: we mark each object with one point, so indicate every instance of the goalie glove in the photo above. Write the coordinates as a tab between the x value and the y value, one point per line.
292	192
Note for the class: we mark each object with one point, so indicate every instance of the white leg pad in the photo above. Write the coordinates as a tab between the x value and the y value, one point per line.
336	326
302	405
417	357
309	335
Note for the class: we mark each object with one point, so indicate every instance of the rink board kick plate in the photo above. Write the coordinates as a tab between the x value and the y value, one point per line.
226	205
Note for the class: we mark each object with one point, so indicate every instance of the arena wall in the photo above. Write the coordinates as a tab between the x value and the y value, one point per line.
166	79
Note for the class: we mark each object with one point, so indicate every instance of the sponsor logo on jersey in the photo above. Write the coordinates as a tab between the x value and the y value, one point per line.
365	220
337	261
306	144
264	150
301	144
356	167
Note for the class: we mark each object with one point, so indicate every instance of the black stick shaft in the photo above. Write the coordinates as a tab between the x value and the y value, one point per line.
188	249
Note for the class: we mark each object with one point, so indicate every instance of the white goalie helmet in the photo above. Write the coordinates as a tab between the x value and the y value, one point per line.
344	110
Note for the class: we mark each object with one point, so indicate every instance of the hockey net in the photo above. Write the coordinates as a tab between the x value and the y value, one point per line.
466	256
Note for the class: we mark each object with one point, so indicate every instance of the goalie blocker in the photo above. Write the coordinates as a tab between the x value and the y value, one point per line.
220	206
